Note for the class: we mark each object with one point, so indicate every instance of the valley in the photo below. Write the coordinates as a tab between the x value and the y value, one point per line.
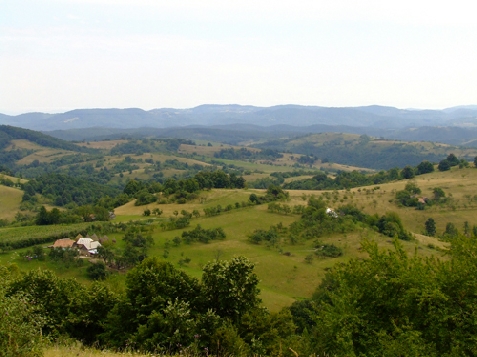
263	198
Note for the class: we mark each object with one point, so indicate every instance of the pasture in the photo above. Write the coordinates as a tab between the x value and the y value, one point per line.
283	277
10	199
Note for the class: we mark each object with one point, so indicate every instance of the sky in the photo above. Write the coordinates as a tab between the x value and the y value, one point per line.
68	54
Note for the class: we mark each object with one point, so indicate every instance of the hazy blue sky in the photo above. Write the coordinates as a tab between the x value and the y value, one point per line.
65	54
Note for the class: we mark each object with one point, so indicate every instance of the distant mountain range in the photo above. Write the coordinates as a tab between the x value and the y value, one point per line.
239	123
207	115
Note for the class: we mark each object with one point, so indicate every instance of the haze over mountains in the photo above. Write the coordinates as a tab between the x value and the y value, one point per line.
456	125
295	115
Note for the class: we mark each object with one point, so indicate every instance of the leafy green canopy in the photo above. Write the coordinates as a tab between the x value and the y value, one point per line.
392	304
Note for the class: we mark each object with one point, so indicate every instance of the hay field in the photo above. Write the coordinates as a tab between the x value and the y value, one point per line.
42	154
103	144
460	185
10	199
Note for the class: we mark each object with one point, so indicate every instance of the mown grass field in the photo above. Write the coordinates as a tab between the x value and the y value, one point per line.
15	233
458	184
10	199
41	153
81	351
103	144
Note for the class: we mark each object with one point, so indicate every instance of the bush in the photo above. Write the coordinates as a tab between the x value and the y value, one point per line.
328	251
96	271
444	165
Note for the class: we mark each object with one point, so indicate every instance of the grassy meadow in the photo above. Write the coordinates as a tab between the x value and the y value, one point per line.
10	199
284	277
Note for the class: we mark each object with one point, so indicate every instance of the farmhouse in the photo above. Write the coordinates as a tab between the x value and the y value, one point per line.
87	246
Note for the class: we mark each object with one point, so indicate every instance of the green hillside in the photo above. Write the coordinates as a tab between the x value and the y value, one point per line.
364	151
186	217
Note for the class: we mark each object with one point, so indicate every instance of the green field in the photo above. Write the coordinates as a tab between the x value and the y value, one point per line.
10	199
283	278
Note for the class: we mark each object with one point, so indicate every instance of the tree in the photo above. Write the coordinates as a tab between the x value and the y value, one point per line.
392	304
96	271
230	287
157	211
451	230
444	165
54	298
453	160
54	216
19	325
42	218
430	226
438	193
424	167
475	161
412	187
151	284
408	172
132	187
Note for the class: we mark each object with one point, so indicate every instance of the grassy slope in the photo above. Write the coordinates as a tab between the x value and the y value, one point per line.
284	278
10	199
42	153
461	184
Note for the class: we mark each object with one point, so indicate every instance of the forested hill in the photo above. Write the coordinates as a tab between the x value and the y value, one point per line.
364	151
8	133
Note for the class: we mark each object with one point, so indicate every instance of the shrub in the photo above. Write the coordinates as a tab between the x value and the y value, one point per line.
329	251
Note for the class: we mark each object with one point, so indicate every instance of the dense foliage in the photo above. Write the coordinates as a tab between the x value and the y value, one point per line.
319	220
246	154
62	190
395	305
362	151
7	133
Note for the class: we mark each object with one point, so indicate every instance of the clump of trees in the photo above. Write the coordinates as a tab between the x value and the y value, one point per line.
163	310
273	193
181	190
317	221
409	196
246	154
451	161
199	234
393	304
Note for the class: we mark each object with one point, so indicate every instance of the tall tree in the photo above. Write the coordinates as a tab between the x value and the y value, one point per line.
230	287
430	226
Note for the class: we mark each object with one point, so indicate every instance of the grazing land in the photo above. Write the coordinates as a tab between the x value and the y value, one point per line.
194	212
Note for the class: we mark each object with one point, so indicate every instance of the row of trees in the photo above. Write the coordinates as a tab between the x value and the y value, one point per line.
246	154
183	189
